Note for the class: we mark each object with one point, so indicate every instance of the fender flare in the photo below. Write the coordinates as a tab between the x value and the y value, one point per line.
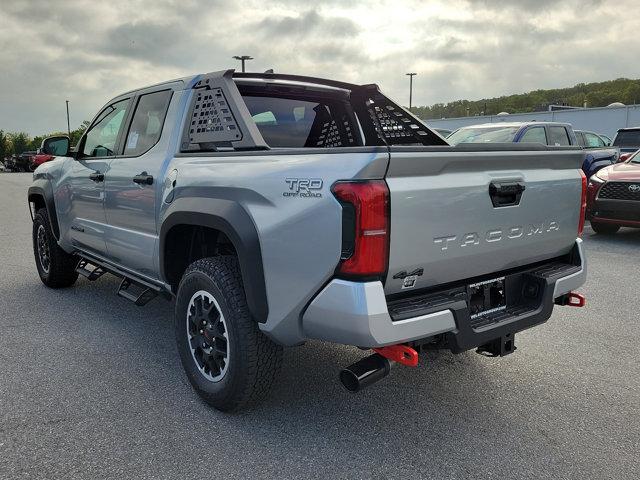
232	219
41	187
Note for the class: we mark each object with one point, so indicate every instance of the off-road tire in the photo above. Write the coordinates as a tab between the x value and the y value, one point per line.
604	228
61	271
253	359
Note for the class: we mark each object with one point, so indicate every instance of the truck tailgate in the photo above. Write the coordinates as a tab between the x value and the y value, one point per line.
462	212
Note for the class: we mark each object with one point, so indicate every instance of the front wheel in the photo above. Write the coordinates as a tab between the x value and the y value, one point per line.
604	228
56	268
229	362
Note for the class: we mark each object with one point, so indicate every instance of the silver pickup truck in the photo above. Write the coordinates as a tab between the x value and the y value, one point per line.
280	208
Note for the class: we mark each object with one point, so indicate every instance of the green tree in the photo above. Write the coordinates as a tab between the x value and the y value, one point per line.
5	145
597	94
78	132
631	94
36	142
20	142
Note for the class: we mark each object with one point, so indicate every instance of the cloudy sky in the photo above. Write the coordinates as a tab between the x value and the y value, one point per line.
88	51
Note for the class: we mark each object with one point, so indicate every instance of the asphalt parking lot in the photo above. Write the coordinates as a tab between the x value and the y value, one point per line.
91	387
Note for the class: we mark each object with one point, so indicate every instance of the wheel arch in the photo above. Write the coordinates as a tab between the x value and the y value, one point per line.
230	219
40	194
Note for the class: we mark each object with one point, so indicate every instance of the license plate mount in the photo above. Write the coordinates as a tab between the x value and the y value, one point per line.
486	297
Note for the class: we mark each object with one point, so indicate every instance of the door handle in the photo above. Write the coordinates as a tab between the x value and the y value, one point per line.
143	179
506	194
97	177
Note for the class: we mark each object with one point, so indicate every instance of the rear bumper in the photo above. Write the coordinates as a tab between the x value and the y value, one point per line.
357	313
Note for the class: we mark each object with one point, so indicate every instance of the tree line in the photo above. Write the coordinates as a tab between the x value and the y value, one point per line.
15	143
596	94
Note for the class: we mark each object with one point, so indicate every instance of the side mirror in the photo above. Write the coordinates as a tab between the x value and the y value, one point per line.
58	146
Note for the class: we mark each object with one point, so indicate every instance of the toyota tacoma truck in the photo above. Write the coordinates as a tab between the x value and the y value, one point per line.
279	208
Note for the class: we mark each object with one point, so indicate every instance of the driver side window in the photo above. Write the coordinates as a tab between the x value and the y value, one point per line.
101	137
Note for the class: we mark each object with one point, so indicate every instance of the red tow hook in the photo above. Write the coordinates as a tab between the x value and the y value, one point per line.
399	353
576	300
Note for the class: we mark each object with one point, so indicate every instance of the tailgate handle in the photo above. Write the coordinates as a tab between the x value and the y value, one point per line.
505	194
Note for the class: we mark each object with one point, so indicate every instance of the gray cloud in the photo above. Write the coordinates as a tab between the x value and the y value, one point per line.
306	24
88	51
148	41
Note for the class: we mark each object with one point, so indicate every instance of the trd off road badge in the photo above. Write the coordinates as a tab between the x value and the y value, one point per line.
303	187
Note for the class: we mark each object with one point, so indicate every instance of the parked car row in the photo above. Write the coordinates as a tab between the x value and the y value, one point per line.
26	161
20	163
547	133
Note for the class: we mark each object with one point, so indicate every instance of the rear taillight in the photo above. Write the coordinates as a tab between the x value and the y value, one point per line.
583	203
365	236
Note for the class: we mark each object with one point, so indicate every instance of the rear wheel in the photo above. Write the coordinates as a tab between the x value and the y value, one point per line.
604	228
227	359
56	268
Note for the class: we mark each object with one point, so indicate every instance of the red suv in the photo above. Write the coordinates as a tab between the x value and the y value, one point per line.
613	196
38	159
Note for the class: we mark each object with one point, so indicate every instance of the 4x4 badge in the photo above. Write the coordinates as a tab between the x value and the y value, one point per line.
409	279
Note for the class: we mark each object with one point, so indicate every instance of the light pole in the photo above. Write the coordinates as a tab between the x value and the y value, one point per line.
243	58
68	124
410	88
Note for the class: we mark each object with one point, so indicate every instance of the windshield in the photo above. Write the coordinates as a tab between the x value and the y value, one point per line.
635	158
482	135
627	138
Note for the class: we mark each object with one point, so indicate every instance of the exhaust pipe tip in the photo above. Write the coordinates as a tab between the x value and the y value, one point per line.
364	372
349	380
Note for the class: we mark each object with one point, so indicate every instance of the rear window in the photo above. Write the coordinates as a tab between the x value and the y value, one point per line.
558	136
534	135
483	135
296	122
627	138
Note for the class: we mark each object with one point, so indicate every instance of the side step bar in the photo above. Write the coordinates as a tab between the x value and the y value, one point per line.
90	274
136	290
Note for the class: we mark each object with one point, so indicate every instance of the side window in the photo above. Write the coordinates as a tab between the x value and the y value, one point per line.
101	137
558	136
534	135
147	122
593	141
